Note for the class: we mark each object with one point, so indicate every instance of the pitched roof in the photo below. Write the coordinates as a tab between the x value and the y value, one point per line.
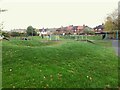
70	27
99	27
79	27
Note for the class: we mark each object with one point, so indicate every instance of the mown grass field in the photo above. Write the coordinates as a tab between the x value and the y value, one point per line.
39	63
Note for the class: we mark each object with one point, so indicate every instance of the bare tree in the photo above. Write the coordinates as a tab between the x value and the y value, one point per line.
111	22
1	24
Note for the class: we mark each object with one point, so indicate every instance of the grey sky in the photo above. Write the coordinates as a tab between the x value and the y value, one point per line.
55	13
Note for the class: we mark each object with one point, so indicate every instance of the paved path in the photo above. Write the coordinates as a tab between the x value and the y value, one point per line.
116	45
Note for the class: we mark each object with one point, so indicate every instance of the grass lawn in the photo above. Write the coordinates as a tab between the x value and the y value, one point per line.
58	64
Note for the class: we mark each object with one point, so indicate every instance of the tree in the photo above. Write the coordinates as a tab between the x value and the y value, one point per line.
108	24
6	34
114	17
1	25
1	28
15	34
111	22
88	30
31	31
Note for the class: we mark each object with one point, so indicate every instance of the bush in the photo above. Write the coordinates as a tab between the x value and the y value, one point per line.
6	34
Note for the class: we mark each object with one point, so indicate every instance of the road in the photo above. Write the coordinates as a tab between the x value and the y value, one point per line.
116	45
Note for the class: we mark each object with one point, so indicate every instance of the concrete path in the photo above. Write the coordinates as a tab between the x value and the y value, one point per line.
116	46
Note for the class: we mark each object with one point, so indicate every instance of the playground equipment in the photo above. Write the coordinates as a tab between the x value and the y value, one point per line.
111	34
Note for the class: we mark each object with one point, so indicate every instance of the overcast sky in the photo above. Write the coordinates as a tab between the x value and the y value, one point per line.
55	13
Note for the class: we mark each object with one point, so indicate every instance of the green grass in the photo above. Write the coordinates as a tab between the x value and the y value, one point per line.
80	37
54	64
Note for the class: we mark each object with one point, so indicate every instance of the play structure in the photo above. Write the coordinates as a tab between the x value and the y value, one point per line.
111	35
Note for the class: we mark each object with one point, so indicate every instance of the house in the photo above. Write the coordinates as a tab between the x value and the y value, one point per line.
99	28
70	27
67	30
80	27
38	31
42	32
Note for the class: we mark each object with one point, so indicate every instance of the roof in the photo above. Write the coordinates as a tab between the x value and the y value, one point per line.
99	27
69	27
80	27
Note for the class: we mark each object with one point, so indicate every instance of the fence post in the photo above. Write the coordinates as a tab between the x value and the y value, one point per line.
106	36
82	37
117	35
